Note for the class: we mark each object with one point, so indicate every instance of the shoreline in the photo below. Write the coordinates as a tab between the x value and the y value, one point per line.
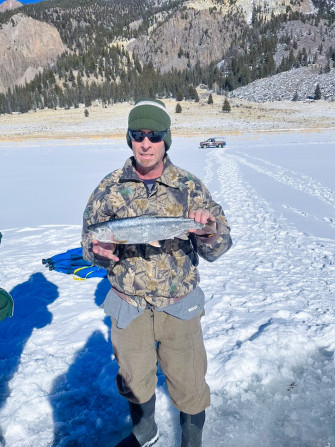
40	137
196	119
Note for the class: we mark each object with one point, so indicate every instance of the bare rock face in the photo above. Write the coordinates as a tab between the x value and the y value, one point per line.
9	5
268	7
26	46
203	31
189	37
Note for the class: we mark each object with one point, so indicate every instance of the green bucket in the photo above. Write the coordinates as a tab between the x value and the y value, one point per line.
6	304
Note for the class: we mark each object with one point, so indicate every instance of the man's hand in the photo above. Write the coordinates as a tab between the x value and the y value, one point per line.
205	218
104	250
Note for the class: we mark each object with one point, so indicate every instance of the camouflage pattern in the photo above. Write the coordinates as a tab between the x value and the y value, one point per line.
144	273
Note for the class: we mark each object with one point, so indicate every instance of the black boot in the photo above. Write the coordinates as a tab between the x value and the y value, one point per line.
144	432
191	428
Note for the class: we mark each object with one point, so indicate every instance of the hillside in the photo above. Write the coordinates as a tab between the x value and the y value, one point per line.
295	85
120	51
9	5
26	46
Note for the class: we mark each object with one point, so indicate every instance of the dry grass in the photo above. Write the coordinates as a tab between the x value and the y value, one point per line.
199	118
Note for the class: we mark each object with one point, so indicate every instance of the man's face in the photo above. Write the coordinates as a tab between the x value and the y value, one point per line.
149	156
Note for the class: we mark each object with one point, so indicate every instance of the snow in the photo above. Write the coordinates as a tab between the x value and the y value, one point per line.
269	327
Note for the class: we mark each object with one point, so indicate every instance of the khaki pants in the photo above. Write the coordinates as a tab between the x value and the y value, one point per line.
180	351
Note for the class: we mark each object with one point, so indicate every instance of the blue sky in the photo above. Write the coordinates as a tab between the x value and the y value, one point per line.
25	1
29	1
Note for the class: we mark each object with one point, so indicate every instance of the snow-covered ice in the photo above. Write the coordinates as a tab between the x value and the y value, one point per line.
269	326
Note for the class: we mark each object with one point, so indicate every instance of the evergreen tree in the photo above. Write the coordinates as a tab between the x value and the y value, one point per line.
226	108
317	92
178	108
210	99
71	77
86	113
179	96
87	96
295	96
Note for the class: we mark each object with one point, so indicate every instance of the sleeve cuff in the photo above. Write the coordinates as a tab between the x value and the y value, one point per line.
210	238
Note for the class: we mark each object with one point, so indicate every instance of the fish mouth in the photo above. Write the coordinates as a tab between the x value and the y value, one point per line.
92	235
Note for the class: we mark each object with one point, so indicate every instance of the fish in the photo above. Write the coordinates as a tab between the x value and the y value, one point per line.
144	229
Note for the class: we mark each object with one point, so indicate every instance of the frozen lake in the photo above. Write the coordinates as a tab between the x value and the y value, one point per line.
269	327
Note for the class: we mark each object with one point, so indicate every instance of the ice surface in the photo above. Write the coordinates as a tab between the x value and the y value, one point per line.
269	326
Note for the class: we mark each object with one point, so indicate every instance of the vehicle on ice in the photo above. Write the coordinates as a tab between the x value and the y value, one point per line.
213	142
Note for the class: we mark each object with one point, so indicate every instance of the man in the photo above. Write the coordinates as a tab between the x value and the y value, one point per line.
155	302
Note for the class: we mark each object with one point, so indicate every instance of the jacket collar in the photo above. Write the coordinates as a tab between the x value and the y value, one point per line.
170	175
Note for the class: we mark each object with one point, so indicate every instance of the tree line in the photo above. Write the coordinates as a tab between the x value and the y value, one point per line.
99	67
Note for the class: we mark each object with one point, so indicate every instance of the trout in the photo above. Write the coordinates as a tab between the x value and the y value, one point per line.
143	229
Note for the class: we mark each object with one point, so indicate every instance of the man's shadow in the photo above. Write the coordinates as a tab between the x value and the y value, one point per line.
31	299
88	410
87	407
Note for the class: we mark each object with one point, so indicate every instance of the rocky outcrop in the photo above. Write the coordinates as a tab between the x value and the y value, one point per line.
189	37
296	84
268	7
26	46
318	43
203	30
265	8
8	5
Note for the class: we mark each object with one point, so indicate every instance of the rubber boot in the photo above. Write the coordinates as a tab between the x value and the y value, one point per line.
191	429
144	432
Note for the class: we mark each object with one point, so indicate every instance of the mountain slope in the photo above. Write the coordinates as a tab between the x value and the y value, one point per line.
167	48
9	5
188	38
26	46
297	84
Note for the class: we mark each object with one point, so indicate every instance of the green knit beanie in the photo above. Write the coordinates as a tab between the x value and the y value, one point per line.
6	304
150	114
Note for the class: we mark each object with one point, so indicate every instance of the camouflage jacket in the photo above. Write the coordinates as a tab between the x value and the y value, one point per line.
147	274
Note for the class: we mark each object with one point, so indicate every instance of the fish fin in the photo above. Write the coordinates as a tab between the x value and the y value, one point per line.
154	244
183	236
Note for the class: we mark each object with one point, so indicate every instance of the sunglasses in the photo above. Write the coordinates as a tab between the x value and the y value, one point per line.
154	137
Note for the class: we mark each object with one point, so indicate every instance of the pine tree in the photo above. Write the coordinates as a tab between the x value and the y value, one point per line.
295	97
317	92
178	108
180	95
210	99
226	106
87	96
71	77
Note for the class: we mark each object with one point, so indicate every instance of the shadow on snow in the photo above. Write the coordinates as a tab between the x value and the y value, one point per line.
87	408
31	299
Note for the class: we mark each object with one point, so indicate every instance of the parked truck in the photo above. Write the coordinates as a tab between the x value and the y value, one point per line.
213	142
